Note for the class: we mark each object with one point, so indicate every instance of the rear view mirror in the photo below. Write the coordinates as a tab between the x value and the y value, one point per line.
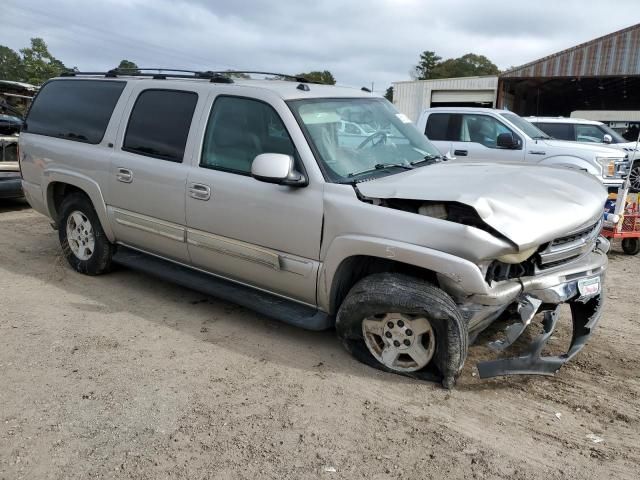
277	168
607	138
506	140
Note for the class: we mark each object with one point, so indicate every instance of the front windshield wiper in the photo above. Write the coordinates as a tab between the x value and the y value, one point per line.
428	159
542	137
382	166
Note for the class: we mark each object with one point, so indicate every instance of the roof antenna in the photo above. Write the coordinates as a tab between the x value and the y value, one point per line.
304	87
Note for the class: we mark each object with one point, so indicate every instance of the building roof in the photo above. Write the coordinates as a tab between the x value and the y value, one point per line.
617	53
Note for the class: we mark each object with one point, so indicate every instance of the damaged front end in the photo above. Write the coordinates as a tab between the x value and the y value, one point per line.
575	277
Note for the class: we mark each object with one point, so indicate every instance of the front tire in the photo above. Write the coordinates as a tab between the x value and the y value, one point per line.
82	238
634	178
404	325
631	246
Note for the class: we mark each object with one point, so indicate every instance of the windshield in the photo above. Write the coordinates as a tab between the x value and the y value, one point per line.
358	136
617	138
528	128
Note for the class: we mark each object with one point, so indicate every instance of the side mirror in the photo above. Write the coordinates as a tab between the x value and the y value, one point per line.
506	140
277	168
607	138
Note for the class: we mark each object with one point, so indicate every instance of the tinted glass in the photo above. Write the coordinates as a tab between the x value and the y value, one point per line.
589	133
77	110
481	129
437	126
159	124
560	131
240	129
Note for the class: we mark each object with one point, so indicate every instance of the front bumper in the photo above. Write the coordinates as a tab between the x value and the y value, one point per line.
10	185
543	293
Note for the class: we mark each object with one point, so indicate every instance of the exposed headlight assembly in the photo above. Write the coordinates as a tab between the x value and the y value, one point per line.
517	257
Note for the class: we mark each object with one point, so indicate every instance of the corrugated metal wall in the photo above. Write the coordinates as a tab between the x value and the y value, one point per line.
615	54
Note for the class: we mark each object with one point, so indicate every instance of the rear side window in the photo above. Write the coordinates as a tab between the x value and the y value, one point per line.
77	110
437	126
159	124
560	131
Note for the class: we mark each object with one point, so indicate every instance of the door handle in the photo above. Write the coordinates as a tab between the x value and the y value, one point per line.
199	191
460	153
124	175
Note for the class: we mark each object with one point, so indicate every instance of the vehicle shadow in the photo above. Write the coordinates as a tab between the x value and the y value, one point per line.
13	205
209	320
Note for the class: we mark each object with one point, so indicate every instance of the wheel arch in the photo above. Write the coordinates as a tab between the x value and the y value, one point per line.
351	258
59	184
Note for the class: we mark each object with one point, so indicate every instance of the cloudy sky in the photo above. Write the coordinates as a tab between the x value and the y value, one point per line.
359	41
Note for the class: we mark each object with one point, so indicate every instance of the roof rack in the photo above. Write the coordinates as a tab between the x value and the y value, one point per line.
223	76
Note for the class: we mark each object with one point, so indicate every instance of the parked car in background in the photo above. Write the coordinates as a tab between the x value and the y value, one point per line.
485	134
590	131
10	179
246	190
10	124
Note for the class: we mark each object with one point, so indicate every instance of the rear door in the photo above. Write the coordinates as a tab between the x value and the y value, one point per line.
437	131
147	182
257	233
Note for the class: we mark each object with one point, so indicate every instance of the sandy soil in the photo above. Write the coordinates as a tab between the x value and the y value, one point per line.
125	376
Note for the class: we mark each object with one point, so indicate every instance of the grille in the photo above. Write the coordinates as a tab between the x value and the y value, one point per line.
564	249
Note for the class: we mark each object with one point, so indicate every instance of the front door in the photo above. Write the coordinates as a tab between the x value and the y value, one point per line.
257	233
147	178
474	138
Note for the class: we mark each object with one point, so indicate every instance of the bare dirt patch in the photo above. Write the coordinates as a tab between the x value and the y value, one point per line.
125	376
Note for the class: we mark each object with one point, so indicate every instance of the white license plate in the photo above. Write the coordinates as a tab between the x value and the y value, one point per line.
589	287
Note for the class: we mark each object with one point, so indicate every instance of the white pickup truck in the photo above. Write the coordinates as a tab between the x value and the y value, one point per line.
486	134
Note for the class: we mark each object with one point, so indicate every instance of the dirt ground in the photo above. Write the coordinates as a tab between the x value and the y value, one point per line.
125	376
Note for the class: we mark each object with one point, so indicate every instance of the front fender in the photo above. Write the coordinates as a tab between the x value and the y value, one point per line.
569	161
466	275
84	183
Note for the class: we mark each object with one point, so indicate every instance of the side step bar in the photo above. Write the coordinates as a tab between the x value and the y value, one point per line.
272	306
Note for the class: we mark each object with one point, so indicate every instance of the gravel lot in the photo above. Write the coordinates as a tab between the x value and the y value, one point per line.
125	376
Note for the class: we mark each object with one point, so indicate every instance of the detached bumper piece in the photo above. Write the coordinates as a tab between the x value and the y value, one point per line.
585	317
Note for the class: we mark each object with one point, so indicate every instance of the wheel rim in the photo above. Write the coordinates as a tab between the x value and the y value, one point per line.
80	236
634	178
399	341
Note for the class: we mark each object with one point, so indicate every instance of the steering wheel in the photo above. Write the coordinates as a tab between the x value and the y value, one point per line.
372	137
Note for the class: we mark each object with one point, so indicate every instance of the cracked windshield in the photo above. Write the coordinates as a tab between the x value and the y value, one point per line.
355	137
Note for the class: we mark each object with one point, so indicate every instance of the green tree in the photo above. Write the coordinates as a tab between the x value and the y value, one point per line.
10	65
428	61
432	66
325	77
389	94
468	65
38	64
129	66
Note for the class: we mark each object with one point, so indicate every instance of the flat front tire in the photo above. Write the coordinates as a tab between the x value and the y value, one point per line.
404	325
82	238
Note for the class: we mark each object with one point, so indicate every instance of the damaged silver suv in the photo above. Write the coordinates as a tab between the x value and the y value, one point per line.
257	191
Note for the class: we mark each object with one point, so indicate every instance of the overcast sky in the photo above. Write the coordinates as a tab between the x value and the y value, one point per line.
359	41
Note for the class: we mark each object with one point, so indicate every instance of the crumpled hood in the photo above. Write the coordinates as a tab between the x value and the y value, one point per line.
528	204
586	149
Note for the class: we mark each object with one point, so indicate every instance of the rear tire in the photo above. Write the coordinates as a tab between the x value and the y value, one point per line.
436	351
631	246
82	238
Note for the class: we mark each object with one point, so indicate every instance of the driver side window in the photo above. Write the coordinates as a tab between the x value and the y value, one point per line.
238	130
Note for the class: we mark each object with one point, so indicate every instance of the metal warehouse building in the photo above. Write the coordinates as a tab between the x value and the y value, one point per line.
602	74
